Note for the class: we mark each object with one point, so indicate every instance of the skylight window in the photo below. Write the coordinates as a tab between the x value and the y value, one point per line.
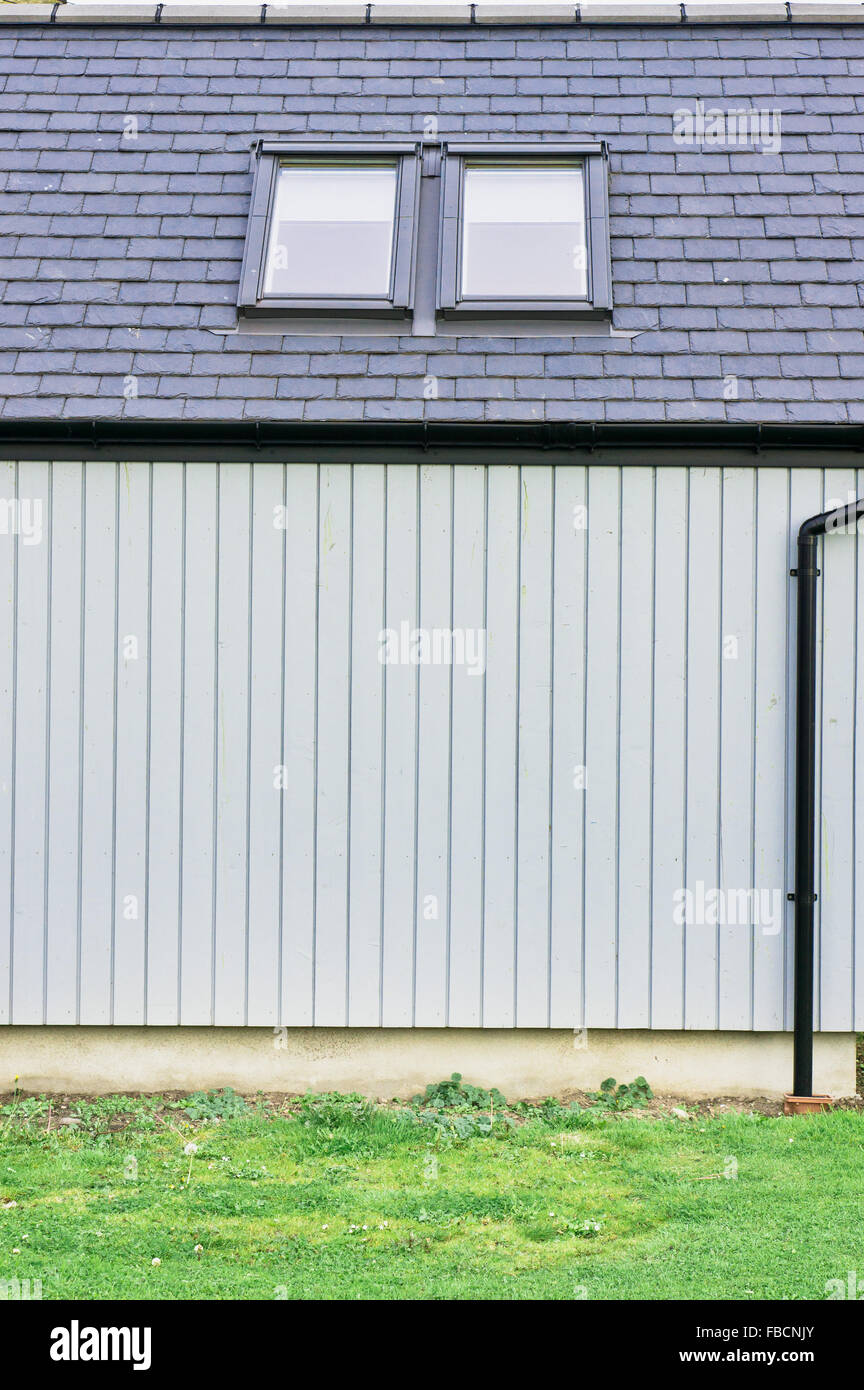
331	231
339	235
523	232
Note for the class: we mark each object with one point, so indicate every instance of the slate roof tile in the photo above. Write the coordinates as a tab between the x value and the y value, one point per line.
123	256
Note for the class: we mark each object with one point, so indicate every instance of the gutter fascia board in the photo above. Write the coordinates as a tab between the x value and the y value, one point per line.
562	434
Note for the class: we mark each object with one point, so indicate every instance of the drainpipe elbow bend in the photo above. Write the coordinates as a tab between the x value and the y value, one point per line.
810	530
825	522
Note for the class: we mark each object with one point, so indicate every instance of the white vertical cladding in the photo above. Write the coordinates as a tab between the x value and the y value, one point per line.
64	751
703	717
603	730
165	696
399	759
535	747
500	747
636	767
465	987
266	665
858	790
8	611
836	825
434	753
231	848
773	796
333	743
31	761
96	917
132	764
200	744
668	696
367	712
737	742
570	542
228	810
297	584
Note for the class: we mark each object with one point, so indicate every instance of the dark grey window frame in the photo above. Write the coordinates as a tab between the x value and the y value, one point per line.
597	302
270	156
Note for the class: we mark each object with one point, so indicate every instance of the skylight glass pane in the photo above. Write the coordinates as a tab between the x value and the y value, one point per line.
332	231
523	234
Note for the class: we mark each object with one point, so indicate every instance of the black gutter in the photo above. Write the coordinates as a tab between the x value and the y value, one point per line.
804	895
565	434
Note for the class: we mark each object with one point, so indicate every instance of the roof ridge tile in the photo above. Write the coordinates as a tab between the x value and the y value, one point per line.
443	12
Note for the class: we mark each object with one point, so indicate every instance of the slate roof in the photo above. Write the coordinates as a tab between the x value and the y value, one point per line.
119	258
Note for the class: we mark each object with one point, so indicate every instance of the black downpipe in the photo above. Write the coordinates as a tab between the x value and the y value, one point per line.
805	783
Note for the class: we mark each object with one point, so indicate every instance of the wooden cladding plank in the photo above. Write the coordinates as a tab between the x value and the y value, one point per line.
299	593
836	827
98	733
367	750
166	708
773	603
434	752
64	749
266	775
333	745
232	746
858	789
465	989
701	935
669	747
133	741
602	715
566	1002
200	746
8	604
31	754
401	605
534	749
636	770
502	716
745	917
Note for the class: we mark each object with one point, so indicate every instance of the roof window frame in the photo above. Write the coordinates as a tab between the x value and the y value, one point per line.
593	155
270	156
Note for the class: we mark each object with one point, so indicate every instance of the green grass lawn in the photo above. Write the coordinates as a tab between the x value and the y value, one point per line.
338	1199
